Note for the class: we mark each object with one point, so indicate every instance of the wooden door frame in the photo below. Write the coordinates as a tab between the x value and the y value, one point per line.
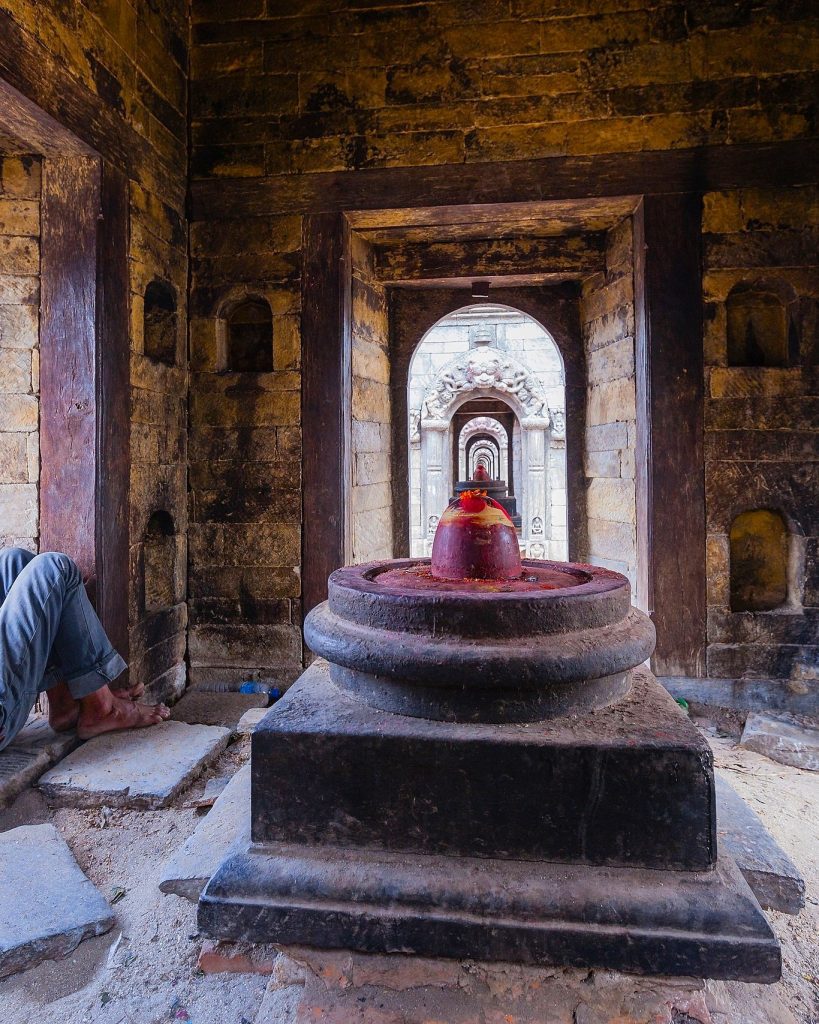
670	400
84	356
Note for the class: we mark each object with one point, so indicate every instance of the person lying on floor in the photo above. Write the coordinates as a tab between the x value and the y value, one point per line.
52	642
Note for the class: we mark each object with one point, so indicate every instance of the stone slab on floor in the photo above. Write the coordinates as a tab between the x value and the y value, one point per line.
47	905
249	720
202	707
226	825
141	768
782	739
773	877
32	752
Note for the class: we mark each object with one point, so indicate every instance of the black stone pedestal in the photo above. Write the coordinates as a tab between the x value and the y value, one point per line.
585	840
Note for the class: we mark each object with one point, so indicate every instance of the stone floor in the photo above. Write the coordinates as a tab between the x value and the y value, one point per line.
145	970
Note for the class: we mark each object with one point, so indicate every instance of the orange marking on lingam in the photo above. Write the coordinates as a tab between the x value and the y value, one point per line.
475	539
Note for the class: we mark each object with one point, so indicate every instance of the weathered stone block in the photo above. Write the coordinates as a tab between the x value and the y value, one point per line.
19	217
602	464
15	372
13	458
19	326
612	500
21	177
611	362
224	827
747	381
19	509
605	437
783	740
612	540
612	401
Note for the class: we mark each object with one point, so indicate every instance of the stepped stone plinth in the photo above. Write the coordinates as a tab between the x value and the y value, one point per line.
484	768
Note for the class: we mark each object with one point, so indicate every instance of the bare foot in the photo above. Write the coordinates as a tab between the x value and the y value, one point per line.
129	692
63	710
104	712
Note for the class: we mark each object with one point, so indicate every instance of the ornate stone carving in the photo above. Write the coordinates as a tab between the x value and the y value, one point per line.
483	369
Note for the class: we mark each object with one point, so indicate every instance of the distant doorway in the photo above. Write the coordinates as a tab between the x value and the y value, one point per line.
486	386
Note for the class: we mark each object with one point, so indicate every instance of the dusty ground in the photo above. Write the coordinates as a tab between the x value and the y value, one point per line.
144	971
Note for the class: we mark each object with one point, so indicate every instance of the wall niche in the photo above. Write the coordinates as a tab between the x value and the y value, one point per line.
249	337
759	325
159	560
159	320
759	561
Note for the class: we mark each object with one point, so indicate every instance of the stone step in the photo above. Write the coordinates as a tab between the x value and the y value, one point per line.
226	825
142	768
773	877
47	905
32	752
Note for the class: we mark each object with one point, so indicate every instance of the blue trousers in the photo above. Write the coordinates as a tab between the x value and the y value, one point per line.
48	632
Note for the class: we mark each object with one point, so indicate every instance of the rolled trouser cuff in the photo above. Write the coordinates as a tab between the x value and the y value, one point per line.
93	679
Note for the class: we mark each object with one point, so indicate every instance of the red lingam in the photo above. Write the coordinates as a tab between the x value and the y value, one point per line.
475	539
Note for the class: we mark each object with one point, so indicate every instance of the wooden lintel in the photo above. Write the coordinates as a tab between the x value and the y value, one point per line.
50	110
704	169
575	256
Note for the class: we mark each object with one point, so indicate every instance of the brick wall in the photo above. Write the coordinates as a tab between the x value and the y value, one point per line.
20	179
130	60
760	428
607	315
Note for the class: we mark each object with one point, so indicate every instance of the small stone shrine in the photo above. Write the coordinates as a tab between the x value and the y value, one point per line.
483	767
495	489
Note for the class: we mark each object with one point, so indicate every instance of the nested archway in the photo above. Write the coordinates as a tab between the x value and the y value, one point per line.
481	364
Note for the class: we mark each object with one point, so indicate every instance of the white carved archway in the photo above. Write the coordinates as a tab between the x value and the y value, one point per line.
485	372
488	426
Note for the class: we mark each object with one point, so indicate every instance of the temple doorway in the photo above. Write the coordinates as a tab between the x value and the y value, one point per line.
486	389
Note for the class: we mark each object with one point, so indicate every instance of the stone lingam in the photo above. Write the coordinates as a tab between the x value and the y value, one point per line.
482	767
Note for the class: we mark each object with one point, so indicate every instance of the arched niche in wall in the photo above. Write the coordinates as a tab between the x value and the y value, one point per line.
249	337
759	547
159	322
159	561
760	326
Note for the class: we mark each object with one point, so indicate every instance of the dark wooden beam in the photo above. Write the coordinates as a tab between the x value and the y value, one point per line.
704	169
85	379
670	474
325	402
573	256
68	354
113	470
49	109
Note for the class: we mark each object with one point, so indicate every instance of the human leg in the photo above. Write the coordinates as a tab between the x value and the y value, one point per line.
46	614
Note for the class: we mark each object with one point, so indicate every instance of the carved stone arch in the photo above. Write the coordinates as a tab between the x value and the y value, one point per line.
489	373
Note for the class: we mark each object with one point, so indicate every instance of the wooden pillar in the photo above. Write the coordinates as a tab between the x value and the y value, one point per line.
85	379
113	409
325	406
670	465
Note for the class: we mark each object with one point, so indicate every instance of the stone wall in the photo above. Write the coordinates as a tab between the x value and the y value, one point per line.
285	88
128	63
760	427
371	461
607	314
20	178
245	459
